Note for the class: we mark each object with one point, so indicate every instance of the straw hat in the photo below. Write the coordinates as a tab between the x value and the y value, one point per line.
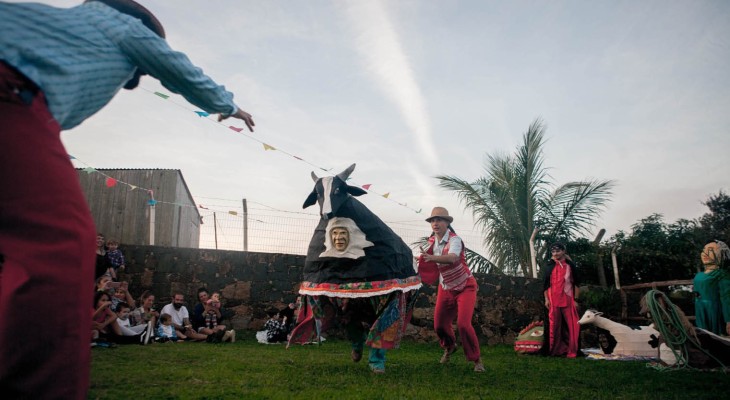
440	212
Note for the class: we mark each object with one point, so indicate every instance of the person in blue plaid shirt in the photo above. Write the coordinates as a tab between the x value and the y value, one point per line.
58	67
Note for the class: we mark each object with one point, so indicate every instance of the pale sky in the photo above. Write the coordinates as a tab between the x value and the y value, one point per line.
634	91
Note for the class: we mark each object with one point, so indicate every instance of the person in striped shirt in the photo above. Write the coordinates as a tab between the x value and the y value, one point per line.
457	290
58	67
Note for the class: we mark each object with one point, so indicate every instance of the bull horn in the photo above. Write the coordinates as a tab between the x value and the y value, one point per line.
346	173
314	177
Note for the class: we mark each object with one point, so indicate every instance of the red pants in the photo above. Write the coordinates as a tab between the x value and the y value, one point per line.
564	331
47	242
451	304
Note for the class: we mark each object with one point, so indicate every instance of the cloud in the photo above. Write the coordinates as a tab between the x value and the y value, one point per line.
380	48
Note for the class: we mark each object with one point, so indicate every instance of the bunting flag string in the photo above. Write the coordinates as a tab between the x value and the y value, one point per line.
268	147
111	182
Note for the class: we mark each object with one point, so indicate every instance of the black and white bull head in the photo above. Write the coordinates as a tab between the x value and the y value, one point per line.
331	192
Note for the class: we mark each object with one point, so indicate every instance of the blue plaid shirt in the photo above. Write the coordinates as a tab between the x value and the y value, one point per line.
116	258
81	56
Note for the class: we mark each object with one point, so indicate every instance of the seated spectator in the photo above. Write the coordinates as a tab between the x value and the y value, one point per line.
203	309
115	258
146	312
166	332
141	333
287	314
181	319
105	283
104	321
121	294
275	327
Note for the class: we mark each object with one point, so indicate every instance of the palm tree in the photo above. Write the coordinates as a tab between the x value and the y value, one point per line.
515	197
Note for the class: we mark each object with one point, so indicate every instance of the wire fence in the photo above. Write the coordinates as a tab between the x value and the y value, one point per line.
283	232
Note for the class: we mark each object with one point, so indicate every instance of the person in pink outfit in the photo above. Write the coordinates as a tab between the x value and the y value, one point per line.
561	292
457	291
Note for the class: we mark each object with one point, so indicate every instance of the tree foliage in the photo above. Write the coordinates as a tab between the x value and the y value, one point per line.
515	196
657	251
715	224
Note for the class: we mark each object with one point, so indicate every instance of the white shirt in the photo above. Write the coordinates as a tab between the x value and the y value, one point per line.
178	316
454	248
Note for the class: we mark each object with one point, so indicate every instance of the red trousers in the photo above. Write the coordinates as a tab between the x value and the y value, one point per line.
47	242
459	305
564	331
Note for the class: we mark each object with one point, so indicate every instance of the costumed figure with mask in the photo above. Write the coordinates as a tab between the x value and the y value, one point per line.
712	289
358	273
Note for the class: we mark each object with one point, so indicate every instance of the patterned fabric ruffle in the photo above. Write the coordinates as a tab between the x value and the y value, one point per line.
392	314
360	289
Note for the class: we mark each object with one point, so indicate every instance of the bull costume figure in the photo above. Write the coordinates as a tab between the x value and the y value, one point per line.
358	272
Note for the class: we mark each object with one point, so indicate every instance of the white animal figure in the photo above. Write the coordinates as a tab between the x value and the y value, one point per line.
637	340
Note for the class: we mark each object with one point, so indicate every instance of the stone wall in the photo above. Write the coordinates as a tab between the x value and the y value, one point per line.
251	283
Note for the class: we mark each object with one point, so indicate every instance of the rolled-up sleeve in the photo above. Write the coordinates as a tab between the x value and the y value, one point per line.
174	70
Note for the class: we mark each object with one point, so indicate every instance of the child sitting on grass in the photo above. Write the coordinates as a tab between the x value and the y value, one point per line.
275	327
165	331
141	333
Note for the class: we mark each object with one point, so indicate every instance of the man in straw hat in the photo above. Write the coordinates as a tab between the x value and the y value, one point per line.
457	290
58	67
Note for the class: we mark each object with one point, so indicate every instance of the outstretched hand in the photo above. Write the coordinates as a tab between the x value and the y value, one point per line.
242	115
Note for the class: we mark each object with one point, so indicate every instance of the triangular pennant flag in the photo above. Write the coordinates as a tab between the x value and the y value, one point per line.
386	195
89	170
235	128
132	187
71	157
367	187
202	114
201	206
111	182
232	213
419	211
298	158
152	202
164	96
268	147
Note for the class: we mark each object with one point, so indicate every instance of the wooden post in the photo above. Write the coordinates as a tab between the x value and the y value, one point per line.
245	225
215	230
152	224
615	268
533	257
596	246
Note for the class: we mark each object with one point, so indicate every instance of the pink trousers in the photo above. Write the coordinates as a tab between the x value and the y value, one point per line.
459	305
47	243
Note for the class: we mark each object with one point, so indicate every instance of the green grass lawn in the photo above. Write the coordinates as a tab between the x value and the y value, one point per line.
249	370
